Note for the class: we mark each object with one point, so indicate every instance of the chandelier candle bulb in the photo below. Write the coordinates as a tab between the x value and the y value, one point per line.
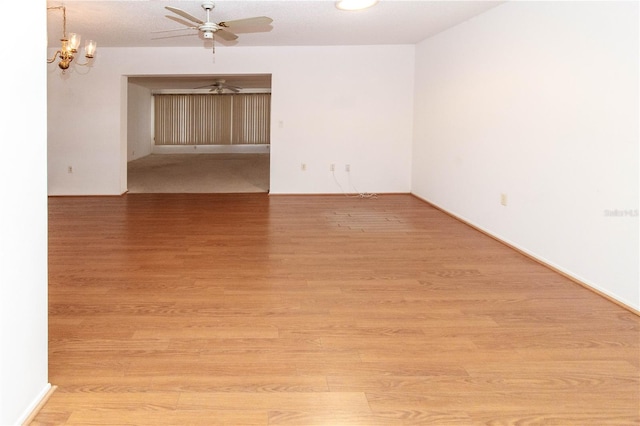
74	42
90	48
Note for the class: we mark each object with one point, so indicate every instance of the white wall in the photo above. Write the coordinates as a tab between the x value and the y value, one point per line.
539	101
342	105
139	133
23	221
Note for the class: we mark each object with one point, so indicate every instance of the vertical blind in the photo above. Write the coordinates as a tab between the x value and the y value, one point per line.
251	118
201	119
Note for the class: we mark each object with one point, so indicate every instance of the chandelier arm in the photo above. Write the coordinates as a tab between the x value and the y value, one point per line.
84	64
50	61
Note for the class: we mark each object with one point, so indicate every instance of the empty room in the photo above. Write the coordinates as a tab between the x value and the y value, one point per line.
435	221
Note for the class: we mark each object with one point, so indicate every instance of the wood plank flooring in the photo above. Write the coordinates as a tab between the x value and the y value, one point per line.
250	309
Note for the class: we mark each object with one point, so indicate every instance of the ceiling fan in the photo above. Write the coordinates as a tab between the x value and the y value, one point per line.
208	28
220	86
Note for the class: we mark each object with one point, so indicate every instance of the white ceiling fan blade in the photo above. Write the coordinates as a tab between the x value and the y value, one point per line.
214	86
226	35
181	21
184	14
175	29
174	36
258	20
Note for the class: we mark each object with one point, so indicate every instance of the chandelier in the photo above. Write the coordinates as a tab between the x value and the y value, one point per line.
70	45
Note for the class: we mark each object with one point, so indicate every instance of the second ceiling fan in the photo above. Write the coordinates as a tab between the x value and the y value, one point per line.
208	28
220	86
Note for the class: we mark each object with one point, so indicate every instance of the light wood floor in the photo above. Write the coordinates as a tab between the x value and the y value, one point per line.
251	309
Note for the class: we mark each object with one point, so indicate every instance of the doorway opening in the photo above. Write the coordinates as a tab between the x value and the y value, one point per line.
198	134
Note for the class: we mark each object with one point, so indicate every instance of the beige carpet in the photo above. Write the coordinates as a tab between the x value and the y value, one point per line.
199	173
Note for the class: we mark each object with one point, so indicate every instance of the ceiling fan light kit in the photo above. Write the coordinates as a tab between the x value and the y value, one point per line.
70	44
355	4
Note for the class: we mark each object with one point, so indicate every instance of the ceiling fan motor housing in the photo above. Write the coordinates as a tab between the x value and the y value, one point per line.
208	28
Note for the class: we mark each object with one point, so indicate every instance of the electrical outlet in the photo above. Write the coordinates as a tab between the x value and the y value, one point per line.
503	199
70	169
347	168
303	167
332	168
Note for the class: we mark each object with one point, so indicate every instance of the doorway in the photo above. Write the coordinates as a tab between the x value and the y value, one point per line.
215	158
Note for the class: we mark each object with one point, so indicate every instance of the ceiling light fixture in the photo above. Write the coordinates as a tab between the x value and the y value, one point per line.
355	4
70	45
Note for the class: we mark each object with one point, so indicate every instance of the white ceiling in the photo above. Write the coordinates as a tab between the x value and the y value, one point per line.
295	22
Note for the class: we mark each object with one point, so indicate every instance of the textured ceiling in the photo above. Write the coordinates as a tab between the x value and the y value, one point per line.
295	23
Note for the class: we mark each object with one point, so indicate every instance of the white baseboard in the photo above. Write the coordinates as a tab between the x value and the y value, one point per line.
35	406
543	261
